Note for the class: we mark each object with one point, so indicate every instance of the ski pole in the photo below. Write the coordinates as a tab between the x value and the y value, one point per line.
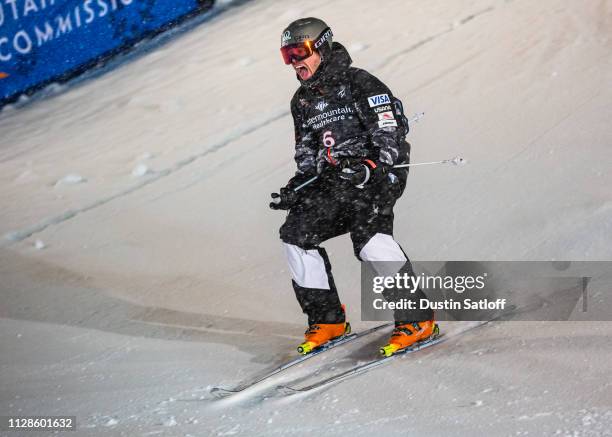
414	119
457	160
309	181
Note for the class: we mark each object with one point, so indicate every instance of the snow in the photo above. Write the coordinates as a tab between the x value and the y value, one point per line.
141	170
71	179
151	290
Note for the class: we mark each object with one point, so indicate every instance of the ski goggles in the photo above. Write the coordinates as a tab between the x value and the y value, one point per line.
297	52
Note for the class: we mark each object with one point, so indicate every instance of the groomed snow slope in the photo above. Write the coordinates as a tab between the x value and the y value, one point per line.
159	271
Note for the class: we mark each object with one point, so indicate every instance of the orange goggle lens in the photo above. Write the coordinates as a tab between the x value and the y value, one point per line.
297	52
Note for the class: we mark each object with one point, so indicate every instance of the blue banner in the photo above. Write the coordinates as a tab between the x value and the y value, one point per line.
46	40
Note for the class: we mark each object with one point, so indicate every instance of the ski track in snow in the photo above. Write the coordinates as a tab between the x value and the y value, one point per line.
20	235
454	26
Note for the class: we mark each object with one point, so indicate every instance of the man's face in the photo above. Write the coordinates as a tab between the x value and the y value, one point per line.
306	68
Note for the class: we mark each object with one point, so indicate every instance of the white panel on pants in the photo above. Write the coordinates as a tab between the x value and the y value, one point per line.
307	267
382	247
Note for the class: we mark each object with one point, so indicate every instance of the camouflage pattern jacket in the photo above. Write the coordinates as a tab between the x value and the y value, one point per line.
344	115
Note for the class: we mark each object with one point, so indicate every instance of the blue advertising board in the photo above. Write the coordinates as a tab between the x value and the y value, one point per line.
46	40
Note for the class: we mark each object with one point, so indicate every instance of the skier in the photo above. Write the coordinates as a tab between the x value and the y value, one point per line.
349	132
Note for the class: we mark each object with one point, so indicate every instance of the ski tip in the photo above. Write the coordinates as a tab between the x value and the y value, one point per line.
286	390
306	347
388	350
220	393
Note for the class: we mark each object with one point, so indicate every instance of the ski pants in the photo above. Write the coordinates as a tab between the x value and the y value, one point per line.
329	209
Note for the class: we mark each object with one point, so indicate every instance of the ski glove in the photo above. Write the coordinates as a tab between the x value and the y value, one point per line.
287	196
364	172
285	200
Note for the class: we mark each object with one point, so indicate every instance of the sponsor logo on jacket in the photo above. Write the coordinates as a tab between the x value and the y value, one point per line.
321	105
382	108
387	123
381	99
320	120
386	116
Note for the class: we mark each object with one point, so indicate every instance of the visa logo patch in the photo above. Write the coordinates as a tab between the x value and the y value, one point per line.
381	99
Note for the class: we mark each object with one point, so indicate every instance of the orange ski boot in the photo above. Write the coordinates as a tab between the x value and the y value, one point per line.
408	334
320	333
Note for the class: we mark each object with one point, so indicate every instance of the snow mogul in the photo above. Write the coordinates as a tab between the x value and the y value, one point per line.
349	133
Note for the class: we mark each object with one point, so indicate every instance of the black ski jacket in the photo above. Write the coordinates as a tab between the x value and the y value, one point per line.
345	114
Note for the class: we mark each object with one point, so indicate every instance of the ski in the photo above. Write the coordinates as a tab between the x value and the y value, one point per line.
362	368
220	392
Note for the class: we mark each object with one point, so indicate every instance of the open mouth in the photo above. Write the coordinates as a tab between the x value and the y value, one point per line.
302	71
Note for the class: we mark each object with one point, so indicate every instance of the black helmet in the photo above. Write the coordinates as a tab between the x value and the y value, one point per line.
311	33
